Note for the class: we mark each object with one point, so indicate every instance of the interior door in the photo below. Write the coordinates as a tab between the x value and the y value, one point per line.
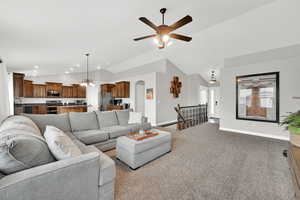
214	102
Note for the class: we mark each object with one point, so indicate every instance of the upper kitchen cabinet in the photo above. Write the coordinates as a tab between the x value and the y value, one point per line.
123	89
79	91
18	81
67	92
27	89
39	91
53	89
106	88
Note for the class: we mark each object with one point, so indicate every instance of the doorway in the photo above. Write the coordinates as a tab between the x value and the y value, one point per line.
214	102
140	96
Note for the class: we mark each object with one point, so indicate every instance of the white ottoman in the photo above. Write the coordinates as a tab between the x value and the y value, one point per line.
137	153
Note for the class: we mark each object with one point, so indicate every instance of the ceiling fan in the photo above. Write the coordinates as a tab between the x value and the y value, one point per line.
163	32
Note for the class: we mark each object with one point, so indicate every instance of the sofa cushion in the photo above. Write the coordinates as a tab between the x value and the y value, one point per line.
123	116
60	121
20	150
83	121
60	145
92	136
107	118
117	131
21	123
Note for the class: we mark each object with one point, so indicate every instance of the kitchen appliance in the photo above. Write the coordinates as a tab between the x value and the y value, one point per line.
117	102
52	106
53	93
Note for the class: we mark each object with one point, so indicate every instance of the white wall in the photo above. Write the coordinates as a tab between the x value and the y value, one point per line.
165	100
289	87
150	82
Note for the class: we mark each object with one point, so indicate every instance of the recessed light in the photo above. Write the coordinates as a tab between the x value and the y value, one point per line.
66	72
35	71
77	65
99	67
36	67
71	69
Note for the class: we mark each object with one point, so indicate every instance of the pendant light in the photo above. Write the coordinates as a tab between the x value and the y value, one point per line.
213	78
87	82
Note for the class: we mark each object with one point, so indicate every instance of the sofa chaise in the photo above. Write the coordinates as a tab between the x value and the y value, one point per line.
89	176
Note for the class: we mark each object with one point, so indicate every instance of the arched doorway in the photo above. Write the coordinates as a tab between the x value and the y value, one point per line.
140	96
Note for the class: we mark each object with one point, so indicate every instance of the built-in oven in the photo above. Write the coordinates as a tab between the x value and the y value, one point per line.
52	106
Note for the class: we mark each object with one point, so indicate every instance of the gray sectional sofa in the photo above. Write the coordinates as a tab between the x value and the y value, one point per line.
89	176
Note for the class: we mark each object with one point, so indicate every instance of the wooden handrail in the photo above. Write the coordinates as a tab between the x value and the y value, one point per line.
195	115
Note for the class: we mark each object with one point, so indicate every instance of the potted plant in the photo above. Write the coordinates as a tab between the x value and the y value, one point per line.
292	123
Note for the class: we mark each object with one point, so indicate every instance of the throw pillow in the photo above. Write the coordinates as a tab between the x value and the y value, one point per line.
21	123
61	145
20	150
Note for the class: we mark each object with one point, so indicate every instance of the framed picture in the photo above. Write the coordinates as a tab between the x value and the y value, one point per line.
257	97
149	93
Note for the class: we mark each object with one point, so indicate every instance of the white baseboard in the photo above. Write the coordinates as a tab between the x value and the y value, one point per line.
256	134
163	123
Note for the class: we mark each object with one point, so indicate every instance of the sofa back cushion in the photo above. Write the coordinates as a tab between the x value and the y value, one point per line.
123	116
107	118
60	121
83	121
20	150
21	123
60	145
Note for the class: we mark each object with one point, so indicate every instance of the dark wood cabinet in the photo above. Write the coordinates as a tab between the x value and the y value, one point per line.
27	89
39	91
53	89
18	82
106	88
121	90
79	91
112	107
67	92
39	109
67	109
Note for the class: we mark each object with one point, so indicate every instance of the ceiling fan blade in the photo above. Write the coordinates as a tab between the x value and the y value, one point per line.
149	23
180	37
187	19
145	37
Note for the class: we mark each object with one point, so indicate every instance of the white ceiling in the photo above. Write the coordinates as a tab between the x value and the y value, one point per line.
54	34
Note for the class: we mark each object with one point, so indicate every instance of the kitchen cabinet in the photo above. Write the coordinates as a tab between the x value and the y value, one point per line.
39	109
53	89
67	92
112	107
121	90
106	88
79	91
18	80
39	91
67	109
27	89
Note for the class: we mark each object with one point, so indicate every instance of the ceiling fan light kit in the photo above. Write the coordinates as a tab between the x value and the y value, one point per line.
163	32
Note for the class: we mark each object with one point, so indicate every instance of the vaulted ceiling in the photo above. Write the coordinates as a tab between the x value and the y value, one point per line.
55	34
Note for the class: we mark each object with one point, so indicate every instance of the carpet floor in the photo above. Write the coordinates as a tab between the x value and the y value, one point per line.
208	164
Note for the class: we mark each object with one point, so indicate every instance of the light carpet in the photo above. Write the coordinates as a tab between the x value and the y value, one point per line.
208	164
